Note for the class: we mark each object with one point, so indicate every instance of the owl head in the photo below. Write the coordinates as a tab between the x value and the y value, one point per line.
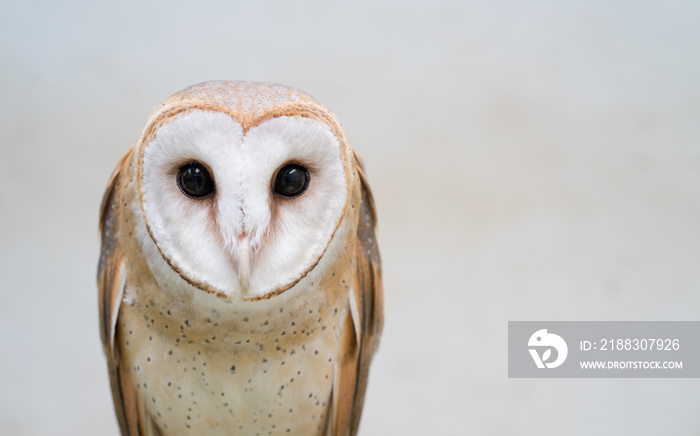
241	187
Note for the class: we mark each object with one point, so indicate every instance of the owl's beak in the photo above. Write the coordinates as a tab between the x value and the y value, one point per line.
242	262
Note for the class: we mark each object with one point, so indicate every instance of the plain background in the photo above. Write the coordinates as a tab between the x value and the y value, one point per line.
531	160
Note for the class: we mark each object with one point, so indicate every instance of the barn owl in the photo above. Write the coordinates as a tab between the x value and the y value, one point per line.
239	279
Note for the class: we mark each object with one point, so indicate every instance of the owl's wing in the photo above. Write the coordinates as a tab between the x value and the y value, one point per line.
363	325
111	280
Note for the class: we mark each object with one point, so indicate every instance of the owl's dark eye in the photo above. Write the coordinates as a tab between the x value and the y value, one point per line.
291	181
195	181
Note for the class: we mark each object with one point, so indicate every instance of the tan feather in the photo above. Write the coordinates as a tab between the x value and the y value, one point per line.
111	186
355	358
111	278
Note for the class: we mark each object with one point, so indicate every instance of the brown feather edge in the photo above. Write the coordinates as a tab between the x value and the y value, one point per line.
107	307
299	108
111	184
356	358
111	279
345	384
360	165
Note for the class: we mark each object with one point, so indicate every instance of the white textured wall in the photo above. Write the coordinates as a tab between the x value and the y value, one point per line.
530	160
